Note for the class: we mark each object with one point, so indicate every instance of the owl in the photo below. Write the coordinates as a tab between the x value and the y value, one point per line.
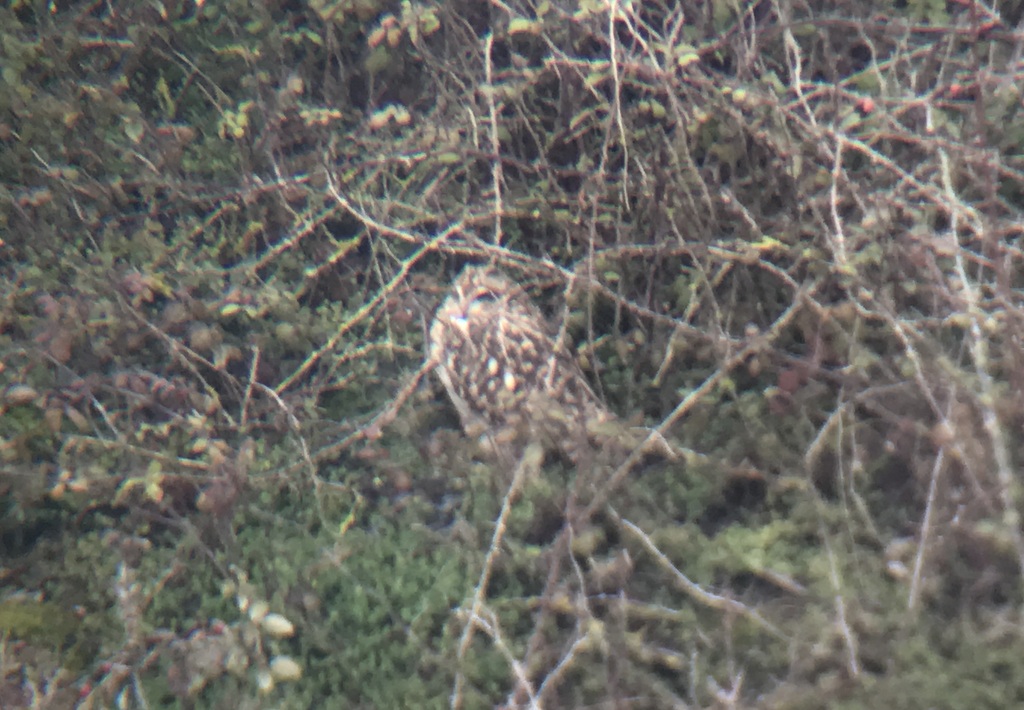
504	372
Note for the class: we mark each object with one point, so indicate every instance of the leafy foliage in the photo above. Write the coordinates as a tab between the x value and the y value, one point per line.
788	238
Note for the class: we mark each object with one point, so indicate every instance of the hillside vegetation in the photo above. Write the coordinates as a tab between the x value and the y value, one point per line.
787	235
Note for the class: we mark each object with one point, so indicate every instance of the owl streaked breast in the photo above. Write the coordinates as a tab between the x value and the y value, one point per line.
502	369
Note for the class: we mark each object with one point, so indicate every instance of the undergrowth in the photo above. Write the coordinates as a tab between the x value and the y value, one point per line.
786	237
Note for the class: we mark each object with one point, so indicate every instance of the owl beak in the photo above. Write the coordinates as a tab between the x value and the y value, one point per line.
462	323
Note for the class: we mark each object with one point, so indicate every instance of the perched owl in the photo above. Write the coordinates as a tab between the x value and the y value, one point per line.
503	370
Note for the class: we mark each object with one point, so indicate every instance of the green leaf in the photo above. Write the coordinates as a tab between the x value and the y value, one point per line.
522	24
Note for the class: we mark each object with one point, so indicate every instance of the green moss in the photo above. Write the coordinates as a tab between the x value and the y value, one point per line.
46	625
37	622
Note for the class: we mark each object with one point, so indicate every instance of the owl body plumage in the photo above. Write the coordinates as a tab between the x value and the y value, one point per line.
504	372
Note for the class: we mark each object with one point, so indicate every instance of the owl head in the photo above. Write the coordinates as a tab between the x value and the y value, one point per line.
483	297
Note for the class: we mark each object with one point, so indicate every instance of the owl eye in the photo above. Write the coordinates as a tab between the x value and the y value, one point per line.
486	297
